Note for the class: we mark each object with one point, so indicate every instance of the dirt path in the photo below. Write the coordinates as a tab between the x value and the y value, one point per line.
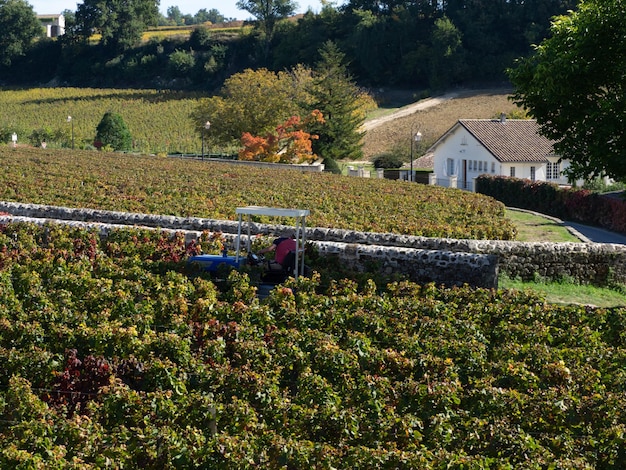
424	104
410	109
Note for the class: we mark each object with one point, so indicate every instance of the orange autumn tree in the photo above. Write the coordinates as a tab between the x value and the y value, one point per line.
290	143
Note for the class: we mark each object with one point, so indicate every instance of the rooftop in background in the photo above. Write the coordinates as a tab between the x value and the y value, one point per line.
511	140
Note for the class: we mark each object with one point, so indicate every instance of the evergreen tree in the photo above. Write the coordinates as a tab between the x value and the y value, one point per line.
113	132
338	98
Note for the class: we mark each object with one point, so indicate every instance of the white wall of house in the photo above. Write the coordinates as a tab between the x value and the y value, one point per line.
462	156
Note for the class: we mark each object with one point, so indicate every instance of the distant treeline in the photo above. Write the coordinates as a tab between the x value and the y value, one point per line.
428	44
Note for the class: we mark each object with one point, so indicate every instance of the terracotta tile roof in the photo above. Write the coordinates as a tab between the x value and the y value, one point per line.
510	140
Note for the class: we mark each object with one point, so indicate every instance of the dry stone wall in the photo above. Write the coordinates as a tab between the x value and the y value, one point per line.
442	260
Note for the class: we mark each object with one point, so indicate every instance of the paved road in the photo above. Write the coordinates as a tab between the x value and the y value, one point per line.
585	233
597	235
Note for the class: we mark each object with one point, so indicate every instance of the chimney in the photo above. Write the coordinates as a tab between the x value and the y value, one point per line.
502	118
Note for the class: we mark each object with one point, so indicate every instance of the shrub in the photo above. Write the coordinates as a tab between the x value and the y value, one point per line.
388	160
200	38
112	131
181	63
578	205
330	165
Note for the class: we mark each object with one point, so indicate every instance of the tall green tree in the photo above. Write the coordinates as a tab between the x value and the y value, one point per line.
340	101
575	86
268	13
445	54
19	26
113	132
175	16
120	22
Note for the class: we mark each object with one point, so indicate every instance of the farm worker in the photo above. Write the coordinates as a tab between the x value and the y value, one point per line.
281	247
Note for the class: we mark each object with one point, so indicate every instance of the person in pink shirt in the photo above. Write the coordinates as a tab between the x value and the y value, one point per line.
281	247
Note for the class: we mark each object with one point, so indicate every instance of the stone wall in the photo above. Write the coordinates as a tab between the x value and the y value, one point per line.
420	257
313	168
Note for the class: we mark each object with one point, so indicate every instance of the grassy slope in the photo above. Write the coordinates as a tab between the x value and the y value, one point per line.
534	228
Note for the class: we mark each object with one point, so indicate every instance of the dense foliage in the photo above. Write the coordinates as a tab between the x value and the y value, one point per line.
290	143
113	356
214	190
19	26
118	24
258	101
418	44
574	86
579	205
267	14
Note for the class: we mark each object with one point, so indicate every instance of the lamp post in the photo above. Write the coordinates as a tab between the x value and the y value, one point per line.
415	137
205	127
69	119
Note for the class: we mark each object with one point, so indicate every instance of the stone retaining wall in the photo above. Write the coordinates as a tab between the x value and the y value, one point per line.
594	263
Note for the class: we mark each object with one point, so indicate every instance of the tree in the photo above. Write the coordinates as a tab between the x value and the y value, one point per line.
268	13
120	22
112	132
254	101
19	26
200	37
175	16
574	85
213	15
444	54
342	104
290	143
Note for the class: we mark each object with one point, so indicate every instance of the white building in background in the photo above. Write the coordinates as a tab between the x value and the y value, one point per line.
54	24
504	147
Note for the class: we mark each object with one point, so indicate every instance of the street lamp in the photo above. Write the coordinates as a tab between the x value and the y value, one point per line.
205	127
69	119
415	137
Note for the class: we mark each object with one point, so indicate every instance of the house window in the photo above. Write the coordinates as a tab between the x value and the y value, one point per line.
512	172
480	166
553	171
493	167
532	173
450	167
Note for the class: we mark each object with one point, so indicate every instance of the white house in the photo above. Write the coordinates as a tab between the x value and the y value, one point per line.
54	24
505	147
